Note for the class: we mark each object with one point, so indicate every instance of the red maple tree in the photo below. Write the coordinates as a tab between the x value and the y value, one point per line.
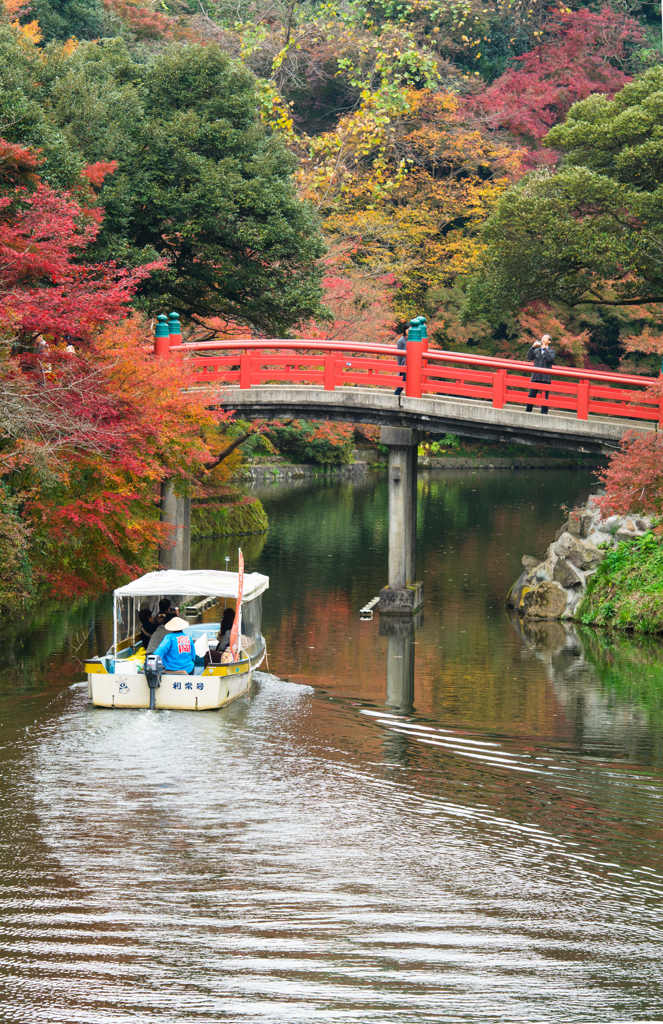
581	52
45	287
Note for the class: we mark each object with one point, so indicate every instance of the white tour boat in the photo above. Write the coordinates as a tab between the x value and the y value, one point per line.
119	679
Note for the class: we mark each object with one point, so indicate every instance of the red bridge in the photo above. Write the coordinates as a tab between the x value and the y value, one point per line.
443	392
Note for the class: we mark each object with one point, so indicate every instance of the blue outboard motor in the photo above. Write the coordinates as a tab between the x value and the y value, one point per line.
153	670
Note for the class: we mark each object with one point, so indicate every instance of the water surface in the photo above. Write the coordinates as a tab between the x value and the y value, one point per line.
480	842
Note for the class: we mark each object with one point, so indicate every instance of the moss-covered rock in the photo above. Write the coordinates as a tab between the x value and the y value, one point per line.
223	520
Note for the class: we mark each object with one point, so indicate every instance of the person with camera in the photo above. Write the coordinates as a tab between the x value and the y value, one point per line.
543	355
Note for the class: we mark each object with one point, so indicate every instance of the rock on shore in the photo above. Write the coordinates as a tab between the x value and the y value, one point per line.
553	588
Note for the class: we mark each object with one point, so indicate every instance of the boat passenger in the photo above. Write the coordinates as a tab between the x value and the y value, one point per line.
223	639
159	633
148	626
176	649
223	636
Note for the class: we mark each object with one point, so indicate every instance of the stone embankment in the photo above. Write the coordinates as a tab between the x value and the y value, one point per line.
552	588
268	472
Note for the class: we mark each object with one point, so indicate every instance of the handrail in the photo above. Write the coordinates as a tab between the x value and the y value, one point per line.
434	355
434	374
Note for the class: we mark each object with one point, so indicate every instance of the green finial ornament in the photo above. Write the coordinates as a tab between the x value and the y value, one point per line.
161	330
414	333
174	326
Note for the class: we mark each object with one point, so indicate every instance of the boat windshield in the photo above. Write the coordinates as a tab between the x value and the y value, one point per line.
127	623
252	625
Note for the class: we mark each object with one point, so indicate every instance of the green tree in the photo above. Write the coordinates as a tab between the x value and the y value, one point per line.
589	234
64	19
199	180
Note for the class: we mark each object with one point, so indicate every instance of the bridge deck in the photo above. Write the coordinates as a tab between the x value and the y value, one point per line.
463	416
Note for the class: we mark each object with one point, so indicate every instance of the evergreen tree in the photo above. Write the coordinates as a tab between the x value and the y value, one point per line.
64	19
590	233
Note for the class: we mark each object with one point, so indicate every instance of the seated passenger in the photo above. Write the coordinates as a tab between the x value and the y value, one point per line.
160	632
223	639
176	649
223	635
147	626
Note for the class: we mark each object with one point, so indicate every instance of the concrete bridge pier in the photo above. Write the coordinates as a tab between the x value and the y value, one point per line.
176	512
403	594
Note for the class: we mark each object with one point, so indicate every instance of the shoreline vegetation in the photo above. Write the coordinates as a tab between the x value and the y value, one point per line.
600	570
239	516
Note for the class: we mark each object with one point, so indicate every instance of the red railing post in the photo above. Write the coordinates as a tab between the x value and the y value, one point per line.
245	370
161	336
583	399
413	361
499	389
330	373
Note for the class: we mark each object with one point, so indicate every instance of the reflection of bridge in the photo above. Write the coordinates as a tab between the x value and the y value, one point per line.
444	392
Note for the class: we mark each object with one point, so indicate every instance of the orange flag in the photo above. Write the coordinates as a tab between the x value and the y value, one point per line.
234	632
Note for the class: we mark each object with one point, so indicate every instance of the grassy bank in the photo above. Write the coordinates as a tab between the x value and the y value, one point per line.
626	592
221	520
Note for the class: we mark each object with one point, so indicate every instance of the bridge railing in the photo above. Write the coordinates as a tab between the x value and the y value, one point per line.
329	365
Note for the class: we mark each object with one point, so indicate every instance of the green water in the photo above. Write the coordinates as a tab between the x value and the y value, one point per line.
463	824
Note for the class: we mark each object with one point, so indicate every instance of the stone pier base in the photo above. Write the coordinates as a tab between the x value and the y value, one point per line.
402	600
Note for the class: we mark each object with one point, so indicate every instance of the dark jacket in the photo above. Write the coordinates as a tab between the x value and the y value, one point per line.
401	344
543	359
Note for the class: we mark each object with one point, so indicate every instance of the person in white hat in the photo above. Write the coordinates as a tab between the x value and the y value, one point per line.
176	649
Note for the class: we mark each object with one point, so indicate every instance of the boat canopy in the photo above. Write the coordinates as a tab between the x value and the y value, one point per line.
202	582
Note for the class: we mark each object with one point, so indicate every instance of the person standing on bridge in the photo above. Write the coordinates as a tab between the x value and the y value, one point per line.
543	355
402	345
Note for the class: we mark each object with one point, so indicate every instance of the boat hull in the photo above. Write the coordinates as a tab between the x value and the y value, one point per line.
216	687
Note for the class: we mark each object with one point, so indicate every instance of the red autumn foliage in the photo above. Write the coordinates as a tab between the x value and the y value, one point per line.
634	479
360	304
143	22
582	52
43	289
131	423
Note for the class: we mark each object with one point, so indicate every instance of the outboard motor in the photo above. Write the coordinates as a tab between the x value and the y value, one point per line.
153	670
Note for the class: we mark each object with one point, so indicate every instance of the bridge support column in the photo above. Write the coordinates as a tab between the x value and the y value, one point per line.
177	513
403	595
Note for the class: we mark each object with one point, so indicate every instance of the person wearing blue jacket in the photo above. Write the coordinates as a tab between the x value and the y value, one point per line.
176	650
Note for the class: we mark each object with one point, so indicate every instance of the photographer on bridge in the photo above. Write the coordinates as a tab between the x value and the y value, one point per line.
543	356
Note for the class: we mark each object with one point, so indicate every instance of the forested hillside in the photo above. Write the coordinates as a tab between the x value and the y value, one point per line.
406	123
303	169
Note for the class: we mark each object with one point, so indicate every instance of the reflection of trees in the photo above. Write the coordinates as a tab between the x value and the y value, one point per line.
210	552
44	646
609	689
630	668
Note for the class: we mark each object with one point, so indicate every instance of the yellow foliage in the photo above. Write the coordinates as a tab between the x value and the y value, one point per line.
411	182
30	33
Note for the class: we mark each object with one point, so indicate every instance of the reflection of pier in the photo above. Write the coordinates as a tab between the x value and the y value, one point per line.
400	659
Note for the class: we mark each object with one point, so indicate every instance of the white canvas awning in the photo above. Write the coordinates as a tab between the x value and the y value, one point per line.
194	583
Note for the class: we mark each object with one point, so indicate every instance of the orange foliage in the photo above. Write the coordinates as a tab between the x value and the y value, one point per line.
538	319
